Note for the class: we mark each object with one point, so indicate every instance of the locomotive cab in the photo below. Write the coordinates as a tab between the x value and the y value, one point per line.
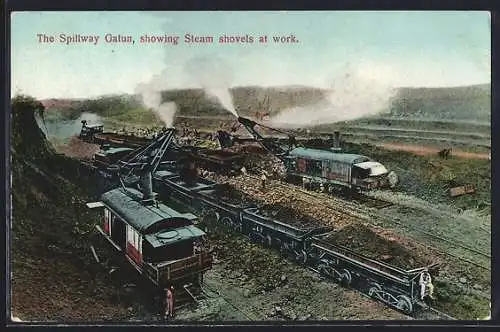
369	174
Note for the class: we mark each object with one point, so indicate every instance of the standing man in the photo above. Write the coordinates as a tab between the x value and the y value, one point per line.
426	283
169	308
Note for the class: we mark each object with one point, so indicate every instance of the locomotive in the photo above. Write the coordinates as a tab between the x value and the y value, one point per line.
330	169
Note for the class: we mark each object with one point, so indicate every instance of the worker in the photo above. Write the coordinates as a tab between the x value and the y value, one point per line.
244	171
426	284
263	180
321	188
169	309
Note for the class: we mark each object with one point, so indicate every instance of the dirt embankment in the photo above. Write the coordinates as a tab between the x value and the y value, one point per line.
76	148
53	271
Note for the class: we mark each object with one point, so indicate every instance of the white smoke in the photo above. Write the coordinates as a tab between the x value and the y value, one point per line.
355	93
151	97
215	77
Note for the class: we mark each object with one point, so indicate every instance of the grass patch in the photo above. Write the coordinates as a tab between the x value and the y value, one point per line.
430	177
452	301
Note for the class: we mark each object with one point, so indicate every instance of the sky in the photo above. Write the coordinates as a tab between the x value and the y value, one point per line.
400	48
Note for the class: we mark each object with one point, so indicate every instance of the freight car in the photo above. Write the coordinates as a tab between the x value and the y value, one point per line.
328	168
302	240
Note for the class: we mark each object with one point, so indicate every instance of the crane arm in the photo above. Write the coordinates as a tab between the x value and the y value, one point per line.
149	158
267	143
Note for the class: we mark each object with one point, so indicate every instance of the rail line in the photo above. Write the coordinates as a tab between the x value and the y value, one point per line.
366	215
452	242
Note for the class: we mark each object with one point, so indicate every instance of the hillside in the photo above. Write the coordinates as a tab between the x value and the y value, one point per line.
457	103
470	103
53	272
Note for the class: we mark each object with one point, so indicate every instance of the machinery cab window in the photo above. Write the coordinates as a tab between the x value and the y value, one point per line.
134	244
314	167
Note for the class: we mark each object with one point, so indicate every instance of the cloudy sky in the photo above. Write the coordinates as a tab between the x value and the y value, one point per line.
400	48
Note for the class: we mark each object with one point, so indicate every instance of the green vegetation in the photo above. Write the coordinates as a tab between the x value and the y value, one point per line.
451	300
458	103
430	177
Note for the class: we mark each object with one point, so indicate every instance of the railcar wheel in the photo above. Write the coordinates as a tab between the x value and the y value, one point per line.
404	304
227	221
346	277
301	257
393	179
237	226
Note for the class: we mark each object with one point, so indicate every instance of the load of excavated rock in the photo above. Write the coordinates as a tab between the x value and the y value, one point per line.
285	205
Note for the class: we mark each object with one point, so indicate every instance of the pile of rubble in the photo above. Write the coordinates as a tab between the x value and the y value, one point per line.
292	216
364	240
310	206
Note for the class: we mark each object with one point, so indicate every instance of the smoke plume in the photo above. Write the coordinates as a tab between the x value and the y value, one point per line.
354	93
151	97
215	77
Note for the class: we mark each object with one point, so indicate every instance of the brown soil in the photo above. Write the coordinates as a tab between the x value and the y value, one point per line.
227	193
374	245
291	216
423	151
76	148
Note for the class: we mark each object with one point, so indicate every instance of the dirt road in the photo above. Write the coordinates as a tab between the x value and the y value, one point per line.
423	151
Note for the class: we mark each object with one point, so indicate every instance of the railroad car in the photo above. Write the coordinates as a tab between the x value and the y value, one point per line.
300	240
110	156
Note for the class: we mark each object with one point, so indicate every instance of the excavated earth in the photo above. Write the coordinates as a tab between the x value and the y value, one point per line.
55	276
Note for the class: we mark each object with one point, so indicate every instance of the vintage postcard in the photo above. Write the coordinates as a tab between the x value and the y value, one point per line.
181	167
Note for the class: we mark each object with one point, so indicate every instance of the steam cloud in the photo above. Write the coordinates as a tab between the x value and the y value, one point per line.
152	98
355	93
215	77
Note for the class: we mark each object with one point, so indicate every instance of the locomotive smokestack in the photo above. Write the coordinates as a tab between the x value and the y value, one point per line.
146	182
